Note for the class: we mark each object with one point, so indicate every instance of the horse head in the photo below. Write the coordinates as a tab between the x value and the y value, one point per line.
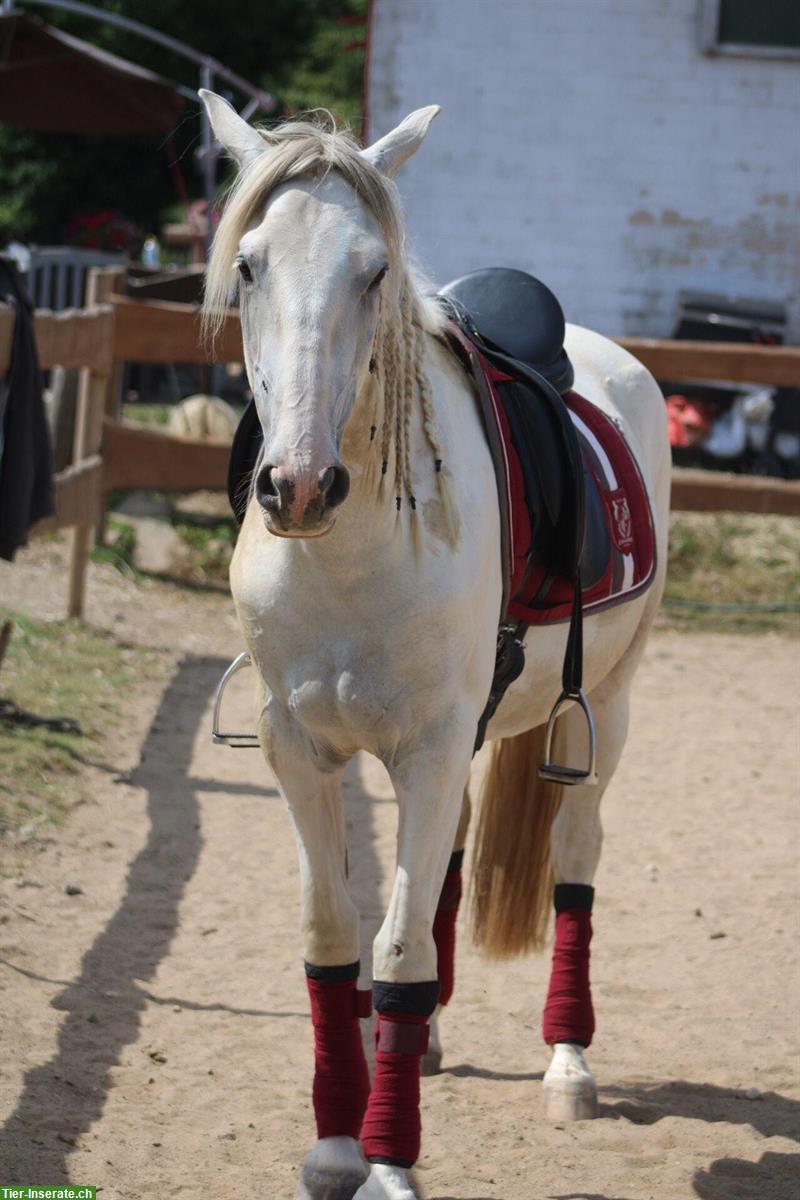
312	236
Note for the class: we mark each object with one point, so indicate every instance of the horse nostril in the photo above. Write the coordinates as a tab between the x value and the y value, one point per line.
265	485
334	484
326	479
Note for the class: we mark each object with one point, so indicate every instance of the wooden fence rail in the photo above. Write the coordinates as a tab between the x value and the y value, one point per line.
158	331
110	455
721	491
136	459
733	362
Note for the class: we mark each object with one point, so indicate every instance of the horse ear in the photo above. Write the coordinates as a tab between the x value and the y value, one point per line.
392	150
241	141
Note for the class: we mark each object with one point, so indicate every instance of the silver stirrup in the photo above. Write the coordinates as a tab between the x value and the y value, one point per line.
570	775
237	741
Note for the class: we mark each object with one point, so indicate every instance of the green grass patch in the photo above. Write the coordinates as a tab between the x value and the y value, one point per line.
120	542
211	549
147	414
205	560
59	669
740	564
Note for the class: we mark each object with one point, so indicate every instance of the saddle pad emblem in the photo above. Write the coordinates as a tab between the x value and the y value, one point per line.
622	522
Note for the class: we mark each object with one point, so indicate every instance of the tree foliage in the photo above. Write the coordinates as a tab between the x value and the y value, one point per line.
294	49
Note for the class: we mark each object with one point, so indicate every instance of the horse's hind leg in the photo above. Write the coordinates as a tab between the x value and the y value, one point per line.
570	1092
444	934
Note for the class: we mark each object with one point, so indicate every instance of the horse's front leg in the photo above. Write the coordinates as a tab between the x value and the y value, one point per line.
335	1167
429	782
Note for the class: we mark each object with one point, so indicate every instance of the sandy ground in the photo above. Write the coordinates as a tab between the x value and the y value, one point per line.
155	1039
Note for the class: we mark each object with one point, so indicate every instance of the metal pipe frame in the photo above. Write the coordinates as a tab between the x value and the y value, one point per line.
209	68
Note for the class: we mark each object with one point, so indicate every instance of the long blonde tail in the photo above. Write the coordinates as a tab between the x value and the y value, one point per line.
512	874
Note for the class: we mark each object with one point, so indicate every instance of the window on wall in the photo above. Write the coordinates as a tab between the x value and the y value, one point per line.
757	28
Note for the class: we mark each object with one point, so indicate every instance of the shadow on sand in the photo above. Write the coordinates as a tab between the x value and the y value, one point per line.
63	1098
775	1176
771	1114
469	1071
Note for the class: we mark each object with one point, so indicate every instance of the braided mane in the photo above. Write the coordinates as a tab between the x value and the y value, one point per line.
311	150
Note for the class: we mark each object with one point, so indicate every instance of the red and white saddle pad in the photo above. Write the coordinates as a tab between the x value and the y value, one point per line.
540	597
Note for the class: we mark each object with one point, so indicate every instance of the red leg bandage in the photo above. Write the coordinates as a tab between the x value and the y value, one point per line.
568	1013
341	1077
391	1131
444	933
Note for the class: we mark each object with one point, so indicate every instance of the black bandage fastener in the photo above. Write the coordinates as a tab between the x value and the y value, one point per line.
573	895
333	974
417	998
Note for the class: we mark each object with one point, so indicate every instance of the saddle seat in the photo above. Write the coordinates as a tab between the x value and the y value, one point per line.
517	314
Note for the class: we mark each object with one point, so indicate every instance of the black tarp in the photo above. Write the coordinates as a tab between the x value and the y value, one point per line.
26	457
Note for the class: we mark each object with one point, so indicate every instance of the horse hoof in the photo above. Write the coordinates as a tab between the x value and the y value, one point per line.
386	1183
563	1102
334	1170
318	1186
321	1185
569	1089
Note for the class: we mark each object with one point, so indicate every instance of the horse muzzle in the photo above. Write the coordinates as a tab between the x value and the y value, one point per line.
298	502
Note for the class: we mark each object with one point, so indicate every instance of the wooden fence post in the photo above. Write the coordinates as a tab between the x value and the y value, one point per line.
101	284
88	435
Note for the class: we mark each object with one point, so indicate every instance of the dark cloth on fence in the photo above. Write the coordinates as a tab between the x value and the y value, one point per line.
26	457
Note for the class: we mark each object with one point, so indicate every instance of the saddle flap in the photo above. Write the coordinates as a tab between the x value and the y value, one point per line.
536	439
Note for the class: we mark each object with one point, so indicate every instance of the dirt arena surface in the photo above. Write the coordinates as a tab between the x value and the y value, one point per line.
156	1041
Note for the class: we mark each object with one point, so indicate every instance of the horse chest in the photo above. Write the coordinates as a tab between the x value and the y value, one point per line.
357	658
342	703
344	682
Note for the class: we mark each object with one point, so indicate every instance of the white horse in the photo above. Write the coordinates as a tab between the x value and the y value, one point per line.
380	635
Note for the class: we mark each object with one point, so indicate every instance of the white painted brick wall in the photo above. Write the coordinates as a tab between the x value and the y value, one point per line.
590	141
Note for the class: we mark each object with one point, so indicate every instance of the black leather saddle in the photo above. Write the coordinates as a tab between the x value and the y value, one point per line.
518	315
519	325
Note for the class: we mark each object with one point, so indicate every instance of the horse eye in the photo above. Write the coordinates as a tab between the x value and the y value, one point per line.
377	280
244	270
